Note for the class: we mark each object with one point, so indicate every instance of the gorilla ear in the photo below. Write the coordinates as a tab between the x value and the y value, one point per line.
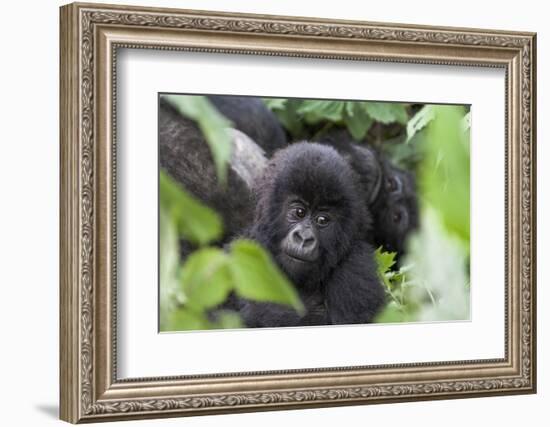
248	159
373	169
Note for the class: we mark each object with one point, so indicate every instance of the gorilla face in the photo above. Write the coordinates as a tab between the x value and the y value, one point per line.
312	219
301	242
309	209
309	236
388	191
397	210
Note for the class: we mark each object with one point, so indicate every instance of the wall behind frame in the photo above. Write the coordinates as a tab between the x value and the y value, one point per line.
29	171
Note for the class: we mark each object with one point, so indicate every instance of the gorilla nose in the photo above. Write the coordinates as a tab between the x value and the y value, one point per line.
305	238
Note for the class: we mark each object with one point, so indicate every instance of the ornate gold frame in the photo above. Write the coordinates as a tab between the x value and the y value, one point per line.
90	36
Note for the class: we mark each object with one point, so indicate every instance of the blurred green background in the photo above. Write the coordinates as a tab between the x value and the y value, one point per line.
432	282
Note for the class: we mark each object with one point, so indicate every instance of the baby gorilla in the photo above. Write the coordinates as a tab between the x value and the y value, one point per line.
310	218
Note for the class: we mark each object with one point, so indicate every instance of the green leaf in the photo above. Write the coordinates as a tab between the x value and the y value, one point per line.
445	175
286	112
195	222
442	286
405	155
424	116
213	126
357	120
275	103
386	112
226	319
384	260
393	313
256	277
187	320
169	264
315	111
206	278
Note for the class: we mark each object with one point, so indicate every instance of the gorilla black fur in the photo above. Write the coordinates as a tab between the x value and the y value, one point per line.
311	220
186	157
388	191
251	116
395	209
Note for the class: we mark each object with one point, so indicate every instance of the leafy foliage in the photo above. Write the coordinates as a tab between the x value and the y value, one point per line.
286	111
189	291
212	124
195	222
257	277
386	112
431	281
209	275
314	111
445	175
357	120
168	265
205	279
385	261
419	121
296	115
442	288
395	284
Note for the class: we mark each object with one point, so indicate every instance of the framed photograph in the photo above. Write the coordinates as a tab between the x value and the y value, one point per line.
267	212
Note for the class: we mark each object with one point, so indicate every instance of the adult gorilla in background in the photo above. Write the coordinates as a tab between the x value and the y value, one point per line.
186	157
310	218
395	209
388	191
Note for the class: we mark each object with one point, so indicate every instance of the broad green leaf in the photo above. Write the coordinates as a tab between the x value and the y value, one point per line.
186	320
424	116
275	103
357	120
315	111
168	268
226	319
213	126
285	110
256	277
445	174
206	278
387	112
195	222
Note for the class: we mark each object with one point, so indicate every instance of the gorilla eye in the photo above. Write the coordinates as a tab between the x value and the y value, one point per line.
396	217
322	220
391	185
300	212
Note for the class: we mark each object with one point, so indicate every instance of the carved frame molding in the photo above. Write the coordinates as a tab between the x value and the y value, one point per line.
90	37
